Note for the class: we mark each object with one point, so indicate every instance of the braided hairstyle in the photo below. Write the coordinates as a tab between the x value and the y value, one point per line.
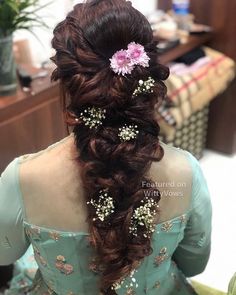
84	43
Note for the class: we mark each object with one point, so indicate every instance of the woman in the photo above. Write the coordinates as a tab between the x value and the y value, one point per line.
109	209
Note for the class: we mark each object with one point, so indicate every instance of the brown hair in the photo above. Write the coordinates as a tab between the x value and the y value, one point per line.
84	43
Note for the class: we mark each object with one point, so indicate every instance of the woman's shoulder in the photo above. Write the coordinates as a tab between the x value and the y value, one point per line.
50	165
49	156
51	150
176	159
50	180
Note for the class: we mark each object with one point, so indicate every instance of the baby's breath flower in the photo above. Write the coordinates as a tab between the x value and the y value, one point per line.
145	86
92	117
128	132
104	206
144	216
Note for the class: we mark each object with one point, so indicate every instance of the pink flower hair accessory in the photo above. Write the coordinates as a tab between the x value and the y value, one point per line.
121	63
124	61
137	55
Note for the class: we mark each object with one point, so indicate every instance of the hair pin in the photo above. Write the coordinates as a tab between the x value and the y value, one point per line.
93	116
145	86
144	216
104	206
128	132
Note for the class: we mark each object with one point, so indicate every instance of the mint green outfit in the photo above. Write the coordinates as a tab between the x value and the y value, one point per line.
63	263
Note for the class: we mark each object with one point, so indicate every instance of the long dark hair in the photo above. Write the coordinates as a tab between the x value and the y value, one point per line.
84	43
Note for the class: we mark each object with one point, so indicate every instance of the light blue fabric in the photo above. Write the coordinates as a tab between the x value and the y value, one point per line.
13	241
63	261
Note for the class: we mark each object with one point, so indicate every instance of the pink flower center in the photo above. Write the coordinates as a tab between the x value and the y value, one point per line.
122	59
136	53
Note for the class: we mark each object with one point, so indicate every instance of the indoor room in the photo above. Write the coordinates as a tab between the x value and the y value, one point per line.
117	147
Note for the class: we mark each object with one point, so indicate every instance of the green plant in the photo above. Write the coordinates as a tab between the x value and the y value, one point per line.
19	14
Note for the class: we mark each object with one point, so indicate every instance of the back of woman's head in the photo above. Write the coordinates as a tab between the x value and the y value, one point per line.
85	42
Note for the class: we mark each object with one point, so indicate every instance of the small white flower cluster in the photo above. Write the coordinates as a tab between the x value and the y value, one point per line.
128	132
133	282
144	216
144	86
104	206
92	117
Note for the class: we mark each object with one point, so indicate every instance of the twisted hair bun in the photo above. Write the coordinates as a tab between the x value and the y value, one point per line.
84	43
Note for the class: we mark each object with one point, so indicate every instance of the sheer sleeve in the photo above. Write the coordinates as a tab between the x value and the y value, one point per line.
13	241
192	254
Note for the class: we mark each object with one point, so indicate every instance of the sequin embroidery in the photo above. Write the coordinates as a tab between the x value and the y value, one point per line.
167	226
54	235
157	285
183	219
39	257
161	257
163	250
93	267
64	267
130	291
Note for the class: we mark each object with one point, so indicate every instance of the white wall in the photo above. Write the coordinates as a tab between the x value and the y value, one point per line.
145	6
52	14
55	13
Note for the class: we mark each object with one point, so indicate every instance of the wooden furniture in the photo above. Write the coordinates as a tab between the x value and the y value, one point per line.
31	121
222	116
192	43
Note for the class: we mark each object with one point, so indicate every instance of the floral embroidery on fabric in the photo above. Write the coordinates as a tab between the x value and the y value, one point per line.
54	235
183	219
163	250
33	232
64	267
167	226
39	257
93	267
161	257
61	258
157	285
130	291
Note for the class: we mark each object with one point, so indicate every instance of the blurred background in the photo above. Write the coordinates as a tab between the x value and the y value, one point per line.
196	41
